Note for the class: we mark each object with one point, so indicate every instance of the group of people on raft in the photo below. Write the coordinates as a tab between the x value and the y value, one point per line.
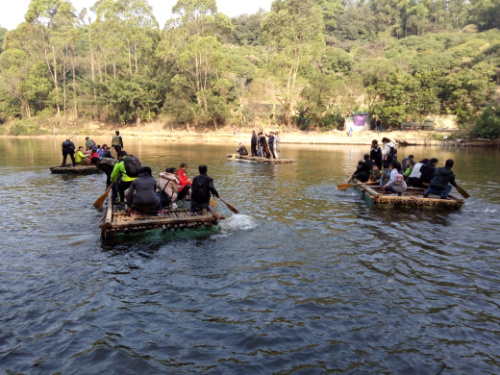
262	145
134	185
381	166
85	156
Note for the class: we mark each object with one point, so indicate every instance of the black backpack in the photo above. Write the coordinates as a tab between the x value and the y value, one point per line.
132	166
393	152
66	143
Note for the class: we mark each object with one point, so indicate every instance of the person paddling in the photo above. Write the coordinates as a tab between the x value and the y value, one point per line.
202	186
443	180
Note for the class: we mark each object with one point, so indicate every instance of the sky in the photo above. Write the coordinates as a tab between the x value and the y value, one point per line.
12	15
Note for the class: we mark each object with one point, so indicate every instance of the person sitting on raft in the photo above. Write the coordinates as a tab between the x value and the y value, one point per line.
396	183
106	153
93	154
414	178
375	174
440	182
168	184
407	167
142	195
81	157
203	185
184	182
364	169
427	172
242	150
411	158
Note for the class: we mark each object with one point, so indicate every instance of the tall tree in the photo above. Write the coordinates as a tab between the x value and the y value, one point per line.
51	17
294	29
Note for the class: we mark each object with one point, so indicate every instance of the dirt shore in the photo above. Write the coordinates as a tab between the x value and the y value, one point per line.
228	134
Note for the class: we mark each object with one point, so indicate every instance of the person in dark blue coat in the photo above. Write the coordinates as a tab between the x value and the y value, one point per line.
443	180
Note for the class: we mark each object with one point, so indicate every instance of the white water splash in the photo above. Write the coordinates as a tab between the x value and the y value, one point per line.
237	223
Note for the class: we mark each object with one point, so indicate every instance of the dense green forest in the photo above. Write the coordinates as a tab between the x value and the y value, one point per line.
401	60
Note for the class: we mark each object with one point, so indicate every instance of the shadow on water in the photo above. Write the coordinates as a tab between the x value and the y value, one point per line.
156	238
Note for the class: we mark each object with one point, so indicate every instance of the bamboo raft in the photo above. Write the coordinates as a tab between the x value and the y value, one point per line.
257	159
78	169
412	197
117	220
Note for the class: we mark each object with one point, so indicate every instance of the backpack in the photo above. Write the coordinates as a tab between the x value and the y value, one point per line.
393	152
400	180
132	166
66	143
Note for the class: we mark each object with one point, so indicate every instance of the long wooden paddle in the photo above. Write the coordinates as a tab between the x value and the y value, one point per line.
269	150
345	186
462	191
100	201
230	206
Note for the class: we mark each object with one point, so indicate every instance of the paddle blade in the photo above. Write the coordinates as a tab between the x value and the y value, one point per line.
344	186
462	191
231	208
213	203
100	201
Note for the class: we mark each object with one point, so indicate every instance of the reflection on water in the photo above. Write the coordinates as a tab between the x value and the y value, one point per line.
307	279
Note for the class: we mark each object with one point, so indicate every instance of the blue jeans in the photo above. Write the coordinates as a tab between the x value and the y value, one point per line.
260	152
444	193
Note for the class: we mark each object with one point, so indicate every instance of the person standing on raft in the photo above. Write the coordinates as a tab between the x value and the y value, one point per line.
117	142
253	143
68	148
202	186
125	172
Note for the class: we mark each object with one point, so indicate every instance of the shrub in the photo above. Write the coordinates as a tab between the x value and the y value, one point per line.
488	124
25	127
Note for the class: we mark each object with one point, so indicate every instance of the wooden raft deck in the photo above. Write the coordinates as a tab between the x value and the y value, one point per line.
117	220
256	159
78	169
412	197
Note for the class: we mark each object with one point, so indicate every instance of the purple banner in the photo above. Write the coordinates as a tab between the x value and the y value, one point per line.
359	120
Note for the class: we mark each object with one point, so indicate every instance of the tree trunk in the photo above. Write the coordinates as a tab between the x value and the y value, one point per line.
73	72
56	81
64	85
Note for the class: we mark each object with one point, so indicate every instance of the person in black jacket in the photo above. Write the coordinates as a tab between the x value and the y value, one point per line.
254	143
427	172
142	193
242	150
441	180
364	170
201	188
68	148
376	154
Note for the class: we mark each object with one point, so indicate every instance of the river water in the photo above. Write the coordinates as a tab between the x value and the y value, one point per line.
305	280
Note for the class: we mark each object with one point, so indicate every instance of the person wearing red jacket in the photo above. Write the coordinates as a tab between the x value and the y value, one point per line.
184	182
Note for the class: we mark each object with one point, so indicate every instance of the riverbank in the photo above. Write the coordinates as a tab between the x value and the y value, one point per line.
102	133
